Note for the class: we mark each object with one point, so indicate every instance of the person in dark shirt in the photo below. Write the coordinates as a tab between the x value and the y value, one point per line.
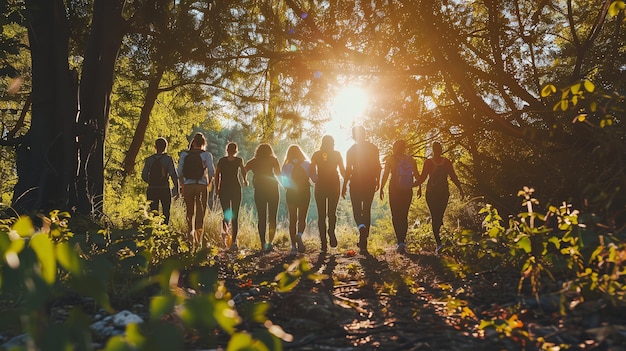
362	176
326	165
157	171
228	189
266	170
402	169
437	169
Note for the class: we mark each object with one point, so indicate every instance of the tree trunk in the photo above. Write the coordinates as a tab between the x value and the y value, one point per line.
107	30
46	155
144	119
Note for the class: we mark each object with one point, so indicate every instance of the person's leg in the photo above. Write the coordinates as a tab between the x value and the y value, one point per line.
400	202
292	209
302	211
201	204
437	203
333	200
320	202
272	212
236	204
261	209
189	206
225	203
359	196
152	196
166	203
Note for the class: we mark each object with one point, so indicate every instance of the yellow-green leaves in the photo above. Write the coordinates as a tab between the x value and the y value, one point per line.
44	248
616	7
548	90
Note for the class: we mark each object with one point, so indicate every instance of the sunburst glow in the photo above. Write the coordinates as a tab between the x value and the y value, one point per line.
347	109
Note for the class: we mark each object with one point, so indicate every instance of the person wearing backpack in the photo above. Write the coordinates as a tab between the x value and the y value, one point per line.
437	169
265	169
228	189
295	179
196	169
325	163
362	176
403	171
157	171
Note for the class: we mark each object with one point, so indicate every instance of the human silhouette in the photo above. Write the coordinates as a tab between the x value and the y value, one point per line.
158	169
295	177
326	165
197	177
403	171
266	170
362	177
437	169
228	189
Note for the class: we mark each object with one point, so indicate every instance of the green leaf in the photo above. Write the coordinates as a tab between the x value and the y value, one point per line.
161	306
68	258
575	88
616	7
134	336
44	248
524	244
117	343
239	342
24	226
589	86
548	90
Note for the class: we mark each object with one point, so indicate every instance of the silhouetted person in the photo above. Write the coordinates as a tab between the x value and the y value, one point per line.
324	166
437	169
265	168
295	177
157	171
196	169
403	171
228	189
362	176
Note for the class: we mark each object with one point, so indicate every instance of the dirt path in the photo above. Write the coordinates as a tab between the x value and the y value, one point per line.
384	301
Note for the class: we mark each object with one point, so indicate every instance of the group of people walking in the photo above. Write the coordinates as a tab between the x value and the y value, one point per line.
361	175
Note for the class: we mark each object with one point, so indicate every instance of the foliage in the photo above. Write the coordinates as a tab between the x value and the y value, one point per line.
554	252
35	259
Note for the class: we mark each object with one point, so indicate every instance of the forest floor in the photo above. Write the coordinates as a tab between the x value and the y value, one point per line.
391	301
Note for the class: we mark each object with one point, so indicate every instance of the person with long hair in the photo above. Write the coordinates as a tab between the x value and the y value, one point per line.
266	170
362	176
197	175
295	177
403	171
228	189
437	169
326	165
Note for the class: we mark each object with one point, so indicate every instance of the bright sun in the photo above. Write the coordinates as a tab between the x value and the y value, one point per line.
346	110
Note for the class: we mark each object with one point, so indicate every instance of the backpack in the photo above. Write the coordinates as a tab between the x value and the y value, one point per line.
157	175
193	167
404	173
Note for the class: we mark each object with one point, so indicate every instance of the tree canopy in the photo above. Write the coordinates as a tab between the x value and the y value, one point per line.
520	93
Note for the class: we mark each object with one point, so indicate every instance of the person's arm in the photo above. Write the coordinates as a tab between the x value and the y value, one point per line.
383	181
379	168
171	170
276	169
210	167
313	173
348	177
455	179
426	169
217	178
242	171
342	168
146	169
416	175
